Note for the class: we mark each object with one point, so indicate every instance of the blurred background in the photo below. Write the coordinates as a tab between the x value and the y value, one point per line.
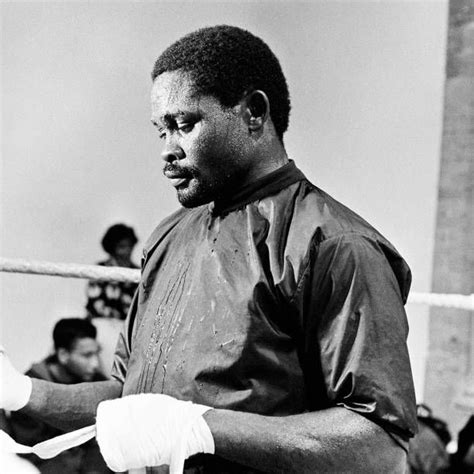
79	152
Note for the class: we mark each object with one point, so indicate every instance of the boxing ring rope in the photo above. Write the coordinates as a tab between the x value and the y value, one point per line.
70	270
119	274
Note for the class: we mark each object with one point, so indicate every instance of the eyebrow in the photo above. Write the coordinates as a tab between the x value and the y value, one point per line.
169	118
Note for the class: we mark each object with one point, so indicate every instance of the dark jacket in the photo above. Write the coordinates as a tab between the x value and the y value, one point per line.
277	300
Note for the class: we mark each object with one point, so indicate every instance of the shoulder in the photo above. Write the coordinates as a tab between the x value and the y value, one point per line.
312	227
303	214
174	222
40	370
329	215
307	210
330	223
165	226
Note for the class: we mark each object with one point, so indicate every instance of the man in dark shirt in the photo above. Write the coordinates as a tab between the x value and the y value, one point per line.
75	360
274	309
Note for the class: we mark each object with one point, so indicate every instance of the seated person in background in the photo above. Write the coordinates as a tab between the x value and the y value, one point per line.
462	461
75	359
427	452
113	299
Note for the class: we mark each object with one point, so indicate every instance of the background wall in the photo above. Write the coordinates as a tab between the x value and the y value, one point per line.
79	152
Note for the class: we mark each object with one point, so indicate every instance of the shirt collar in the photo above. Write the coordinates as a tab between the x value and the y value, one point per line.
259	189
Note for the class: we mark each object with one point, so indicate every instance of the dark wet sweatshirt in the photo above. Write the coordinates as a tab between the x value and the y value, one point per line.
277	300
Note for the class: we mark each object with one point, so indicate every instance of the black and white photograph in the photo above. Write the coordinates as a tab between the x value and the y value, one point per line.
237	237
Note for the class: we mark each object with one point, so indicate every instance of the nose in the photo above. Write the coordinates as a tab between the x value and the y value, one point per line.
172	151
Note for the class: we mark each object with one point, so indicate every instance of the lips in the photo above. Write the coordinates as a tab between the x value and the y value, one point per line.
176	182
176	178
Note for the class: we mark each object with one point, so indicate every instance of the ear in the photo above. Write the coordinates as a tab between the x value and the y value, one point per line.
63	355
257	109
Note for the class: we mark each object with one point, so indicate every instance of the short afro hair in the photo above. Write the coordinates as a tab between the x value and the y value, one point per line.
68	330
115	234
226	62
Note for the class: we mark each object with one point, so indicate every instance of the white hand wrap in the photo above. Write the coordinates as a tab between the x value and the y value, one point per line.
15	388
151	430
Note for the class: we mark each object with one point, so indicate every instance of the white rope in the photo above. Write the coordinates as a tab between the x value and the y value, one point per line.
445	300
97	272
71	270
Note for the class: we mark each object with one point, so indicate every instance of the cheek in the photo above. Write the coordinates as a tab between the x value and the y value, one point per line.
219	144
203	152
79	363
202	139
213	147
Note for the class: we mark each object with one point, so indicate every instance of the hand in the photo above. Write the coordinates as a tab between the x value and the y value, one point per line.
151	430
15	388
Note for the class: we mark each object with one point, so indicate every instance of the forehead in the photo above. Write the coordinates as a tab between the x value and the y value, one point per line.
174	94
172	88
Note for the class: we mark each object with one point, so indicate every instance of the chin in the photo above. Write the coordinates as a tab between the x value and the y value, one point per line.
188	198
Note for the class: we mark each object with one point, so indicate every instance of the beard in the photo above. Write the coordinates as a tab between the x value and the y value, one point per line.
195	193
197	189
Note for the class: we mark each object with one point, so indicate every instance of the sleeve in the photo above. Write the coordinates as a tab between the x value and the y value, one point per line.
355	331
124	343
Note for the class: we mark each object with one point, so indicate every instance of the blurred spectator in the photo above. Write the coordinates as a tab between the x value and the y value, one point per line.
462	461
109	299
75	359
427	450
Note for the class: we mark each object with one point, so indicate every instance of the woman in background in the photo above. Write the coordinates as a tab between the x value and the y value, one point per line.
113	299
108	302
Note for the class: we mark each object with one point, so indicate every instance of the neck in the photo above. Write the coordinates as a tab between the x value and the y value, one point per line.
62	374
267	185
270	156
120	262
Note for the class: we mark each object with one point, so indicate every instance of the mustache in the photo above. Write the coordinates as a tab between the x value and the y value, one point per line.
174	170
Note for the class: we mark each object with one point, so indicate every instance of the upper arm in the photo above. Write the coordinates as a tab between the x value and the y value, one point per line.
355	333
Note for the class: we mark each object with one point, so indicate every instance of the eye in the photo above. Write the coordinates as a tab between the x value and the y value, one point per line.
186	127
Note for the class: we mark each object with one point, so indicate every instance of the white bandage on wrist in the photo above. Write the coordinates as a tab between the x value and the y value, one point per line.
151	430
15	388
23	390
200	439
